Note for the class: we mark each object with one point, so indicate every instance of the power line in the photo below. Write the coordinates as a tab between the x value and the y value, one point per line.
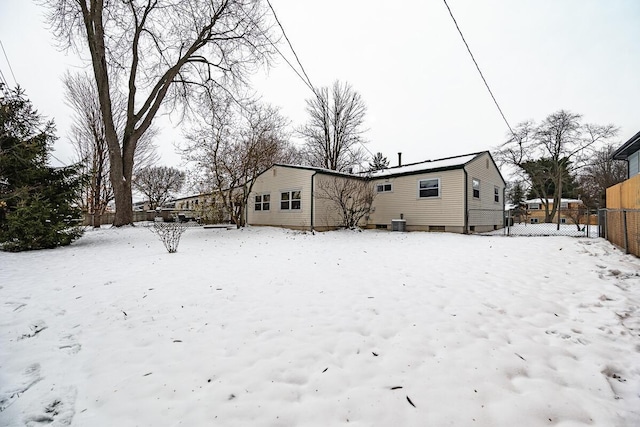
8	63
478	67
289	42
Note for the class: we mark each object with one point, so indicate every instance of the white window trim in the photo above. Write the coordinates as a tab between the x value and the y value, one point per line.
290	200
430	197
535	221
383	184
536	208
496	192
474	180
262	202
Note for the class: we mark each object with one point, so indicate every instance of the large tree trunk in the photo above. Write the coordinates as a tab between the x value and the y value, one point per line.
121	174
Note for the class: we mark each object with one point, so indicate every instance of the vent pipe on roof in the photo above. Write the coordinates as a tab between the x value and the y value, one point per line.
399	159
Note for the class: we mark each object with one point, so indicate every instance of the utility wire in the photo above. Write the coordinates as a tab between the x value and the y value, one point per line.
8	63
478	67
308	81
290	45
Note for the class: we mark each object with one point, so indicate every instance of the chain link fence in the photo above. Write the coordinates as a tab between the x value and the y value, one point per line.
522	222
622	228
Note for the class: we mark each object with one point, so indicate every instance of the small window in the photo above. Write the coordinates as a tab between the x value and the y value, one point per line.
476	188
564	205
534	220
563	220
384	188
429	187
534	206
262	202
290	200
496	194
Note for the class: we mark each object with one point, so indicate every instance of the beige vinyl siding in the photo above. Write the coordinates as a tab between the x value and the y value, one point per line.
327	215
274	181
484	211
446	210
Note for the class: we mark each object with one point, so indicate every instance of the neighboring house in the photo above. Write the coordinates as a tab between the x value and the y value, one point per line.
570	211
204	206
626	195
457	194
622	216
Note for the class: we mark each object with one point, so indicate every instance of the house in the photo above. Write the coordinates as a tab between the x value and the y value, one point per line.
630	152
456	194
626	195
207	207
571	210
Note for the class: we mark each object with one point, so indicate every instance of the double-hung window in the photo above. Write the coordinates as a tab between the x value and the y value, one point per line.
496	194
262	202
475	183
429	188
384	188
290	200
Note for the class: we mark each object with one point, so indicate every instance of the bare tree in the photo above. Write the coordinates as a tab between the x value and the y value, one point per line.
87	135
334	132
601	172
157	52
158	183
232	145
351	198
552	151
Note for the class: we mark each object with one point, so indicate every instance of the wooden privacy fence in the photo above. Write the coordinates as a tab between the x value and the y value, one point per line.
622	216
622	228
107	218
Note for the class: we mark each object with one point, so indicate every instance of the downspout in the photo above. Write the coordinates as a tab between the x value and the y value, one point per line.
466	190
312	198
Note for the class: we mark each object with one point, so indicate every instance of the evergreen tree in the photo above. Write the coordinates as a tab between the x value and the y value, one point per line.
516	193
378	162
35	199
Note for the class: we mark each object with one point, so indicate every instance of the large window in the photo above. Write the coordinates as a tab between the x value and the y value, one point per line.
475	183
534	206
384	188
262	202
429	187
290	200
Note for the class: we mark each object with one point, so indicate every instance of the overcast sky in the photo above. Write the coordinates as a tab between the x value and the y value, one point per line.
424	95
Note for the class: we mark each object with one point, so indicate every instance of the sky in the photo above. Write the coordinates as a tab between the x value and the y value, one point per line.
424	96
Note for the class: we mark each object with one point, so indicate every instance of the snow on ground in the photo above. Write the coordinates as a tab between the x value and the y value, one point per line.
268	327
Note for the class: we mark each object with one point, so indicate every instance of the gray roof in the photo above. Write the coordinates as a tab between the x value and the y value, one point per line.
628	148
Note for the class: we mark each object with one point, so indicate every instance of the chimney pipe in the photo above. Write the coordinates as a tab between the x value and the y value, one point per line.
399	159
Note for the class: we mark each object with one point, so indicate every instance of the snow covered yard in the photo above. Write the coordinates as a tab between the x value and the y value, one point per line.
267	327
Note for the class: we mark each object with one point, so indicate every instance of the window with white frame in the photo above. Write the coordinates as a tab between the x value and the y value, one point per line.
564	205
262	202
290	200
534	220
384	188
496	194
534	206
563	220
475	183
429	187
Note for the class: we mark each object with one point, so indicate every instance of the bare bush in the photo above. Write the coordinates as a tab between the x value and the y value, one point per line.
351	198
169	233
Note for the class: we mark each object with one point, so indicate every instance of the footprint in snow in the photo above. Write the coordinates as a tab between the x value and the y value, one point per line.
56	408
10	392
35	327
70	344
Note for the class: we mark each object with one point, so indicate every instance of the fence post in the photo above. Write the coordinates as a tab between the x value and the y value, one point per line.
626	234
